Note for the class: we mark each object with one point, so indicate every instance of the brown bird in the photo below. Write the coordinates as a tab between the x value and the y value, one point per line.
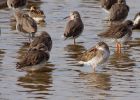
137	21
74	26
119	33
16	3
107	4
119	11
37	14
96	55
25	23
35	56
43	38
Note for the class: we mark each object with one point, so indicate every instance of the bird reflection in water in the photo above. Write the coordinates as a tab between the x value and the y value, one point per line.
121	62
72	52
97	80
36	83
1	56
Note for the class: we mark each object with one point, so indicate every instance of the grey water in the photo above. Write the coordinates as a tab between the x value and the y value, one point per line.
63	78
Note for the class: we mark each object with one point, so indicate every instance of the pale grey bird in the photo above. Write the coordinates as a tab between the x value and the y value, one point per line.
137	21
25	23
16	3
107	4
37	14
43	38
74	26
120	33
119	11
35	56
96	55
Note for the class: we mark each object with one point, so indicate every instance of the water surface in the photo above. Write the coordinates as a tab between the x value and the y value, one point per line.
64	79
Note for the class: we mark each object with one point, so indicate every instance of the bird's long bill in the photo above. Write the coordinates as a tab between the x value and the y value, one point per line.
67	17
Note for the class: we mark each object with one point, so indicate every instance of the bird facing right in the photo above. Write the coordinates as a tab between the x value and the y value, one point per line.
96	55
37	14
74	27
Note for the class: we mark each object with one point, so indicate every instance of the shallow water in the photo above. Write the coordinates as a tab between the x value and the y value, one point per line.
63	78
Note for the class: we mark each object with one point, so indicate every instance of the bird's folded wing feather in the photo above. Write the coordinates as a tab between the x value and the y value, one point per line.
87	55
114	32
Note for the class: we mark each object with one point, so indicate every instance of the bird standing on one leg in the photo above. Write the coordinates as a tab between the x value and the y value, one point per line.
120	33
96	55
74	26
25	23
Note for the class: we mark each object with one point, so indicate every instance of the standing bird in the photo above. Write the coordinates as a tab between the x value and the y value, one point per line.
16	3
25	23
96	55
119	11
37	14
120	33
107	4
35	56
43	38
74	26
137	21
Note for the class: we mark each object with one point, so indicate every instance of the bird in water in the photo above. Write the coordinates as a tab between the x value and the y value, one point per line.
74	27
13	4
119	11
137	21
44	38
25	24
37	14
96	55
35	56
107	4
119	33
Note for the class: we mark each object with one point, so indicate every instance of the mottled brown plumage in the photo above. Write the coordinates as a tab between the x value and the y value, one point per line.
118	31
98	54
34	56
119	11
44	38
92	52
74	26
37	14
25	23
89	54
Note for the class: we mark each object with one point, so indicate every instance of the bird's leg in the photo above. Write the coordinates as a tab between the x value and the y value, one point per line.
29	37
94	68
74	41
118	45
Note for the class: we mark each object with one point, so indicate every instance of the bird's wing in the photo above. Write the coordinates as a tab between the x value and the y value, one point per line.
29	24
72	28
118	11
89	54
33	57
42	39
116	31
